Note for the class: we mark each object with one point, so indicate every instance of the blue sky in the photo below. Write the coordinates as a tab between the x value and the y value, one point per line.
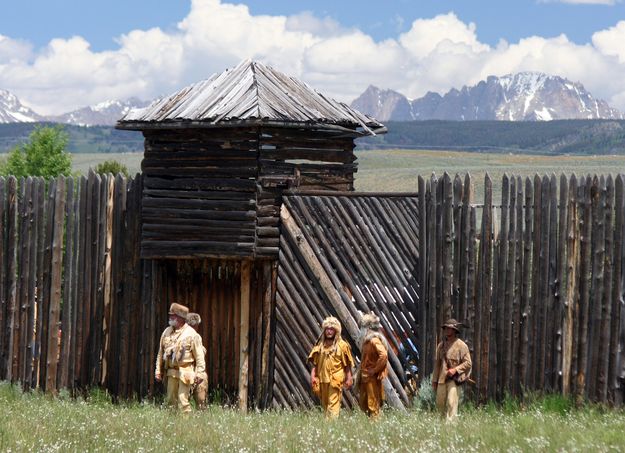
38	21
58	55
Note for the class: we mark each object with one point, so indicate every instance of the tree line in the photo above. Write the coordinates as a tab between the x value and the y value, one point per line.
583	137
81	139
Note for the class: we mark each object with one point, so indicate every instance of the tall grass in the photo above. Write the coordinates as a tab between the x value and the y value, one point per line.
36	422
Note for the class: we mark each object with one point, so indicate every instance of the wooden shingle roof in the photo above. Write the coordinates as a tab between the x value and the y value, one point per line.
249	94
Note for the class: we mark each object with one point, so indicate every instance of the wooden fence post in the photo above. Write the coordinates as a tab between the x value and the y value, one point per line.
55	286
617	289
244	329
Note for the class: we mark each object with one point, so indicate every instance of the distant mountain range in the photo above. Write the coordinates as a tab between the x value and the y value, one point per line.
103	114
525	96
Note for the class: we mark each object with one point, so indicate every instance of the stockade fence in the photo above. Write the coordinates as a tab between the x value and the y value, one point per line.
539	285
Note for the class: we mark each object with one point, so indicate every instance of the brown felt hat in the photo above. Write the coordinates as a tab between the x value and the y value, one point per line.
178	310
193	319
453	324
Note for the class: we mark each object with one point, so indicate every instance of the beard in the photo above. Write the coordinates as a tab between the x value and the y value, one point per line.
172	323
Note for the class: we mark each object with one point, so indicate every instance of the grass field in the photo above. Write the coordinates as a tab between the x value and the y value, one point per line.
35	422
397	170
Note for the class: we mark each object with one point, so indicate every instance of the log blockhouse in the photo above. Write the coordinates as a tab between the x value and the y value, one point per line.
218	156
219	153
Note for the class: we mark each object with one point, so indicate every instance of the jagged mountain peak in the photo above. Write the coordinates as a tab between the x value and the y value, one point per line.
385	103
13	111
105	113
523	96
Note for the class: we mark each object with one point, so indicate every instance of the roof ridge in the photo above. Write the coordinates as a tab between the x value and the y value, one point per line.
255	92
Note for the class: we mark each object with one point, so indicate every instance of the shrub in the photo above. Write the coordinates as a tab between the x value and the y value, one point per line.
111	166
45	154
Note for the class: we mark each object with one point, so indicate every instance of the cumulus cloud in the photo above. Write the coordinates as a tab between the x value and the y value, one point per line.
434	54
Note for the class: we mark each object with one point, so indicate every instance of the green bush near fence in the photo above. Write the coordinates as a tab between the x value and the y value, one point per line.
44	154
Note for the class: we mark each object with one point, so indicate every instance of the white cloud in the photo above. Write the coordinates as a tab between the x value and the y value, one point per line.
611	41
444	32
435	54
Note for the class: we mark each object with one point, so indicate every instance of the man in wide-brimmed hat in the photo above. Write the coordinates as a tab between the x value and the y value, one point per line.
332	366
374	348
199	390
452	367
180	357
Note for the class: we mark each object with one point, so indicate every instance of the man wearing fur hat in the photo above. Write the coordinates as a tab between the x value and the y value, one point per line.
452	367
373	369
332	366
180	357
200	389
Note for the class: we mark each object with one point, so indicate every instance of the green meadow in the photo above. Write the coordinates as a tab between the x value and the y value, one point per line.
37	422
398	170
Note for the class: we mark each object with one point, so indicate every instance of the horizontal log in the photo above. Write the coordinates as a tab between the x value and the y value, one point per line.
270	134
164	213
196	245
308	142
199	194
266	211
272	166
307	179
186	203
267	221
269	201
199	163
202	223
194	254
196	236
342	156
234	184
268	242
194	171
194	136
267	251
218	231
268	231
200	151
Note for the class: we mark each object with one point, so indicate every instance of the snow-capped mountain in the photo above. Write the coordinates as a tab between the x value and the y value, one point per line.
13	111
526	96
103	114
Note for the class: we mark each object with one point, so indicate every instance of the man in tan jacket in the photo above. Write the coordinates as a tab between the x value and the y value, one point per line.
452	367
180	357
374	348
200	389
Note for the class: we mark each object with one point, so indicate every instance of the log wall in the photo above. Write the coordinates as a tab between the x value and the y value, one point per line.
217	192
537	277
80	308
